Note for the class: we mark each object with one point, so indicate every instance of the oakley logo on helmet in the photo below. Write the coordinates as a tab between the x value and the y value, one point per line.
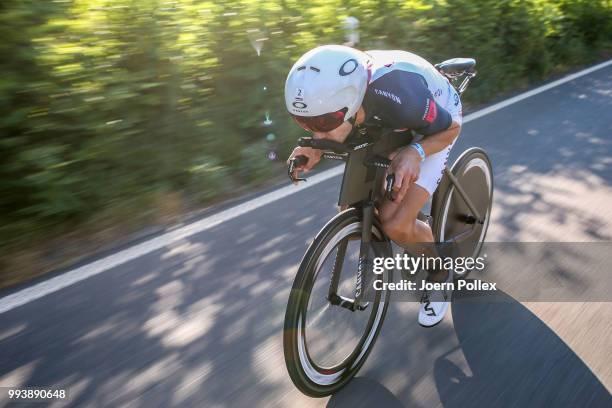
348	67
299	105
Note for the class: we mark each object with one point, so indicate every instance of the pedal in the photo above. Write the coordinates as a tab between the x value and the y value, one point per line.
346	303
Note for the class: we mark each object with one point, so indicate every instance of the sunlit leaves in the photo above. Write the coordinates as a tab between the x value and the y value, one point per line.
106	99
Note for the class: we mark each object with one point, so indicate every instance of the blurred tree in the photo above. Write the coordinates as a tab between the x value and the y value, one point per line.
110	103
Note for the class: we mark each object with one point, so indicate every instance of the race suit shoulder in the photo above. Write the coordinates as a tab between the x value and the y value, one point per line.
407	92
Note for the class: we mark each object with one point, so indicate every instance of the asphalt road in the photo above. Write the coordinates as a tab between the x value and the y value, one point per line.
198	323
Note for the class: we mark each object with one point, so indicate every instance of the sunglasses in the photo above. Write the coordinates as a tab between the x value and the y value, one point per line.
321	123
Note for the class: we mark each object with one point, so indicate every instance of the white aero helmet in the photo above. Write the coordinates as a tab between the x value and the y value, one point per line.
327	79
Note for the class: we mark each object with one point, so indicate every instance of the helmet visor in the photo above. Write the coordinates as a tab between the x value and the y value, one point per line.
321	123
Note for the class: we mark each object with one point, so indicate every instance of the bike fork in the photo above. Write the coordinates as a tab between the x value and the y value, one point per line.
332	293
362	268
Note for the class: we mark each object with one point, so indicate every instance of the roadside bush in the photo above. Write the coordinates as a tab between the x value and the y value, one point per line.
208	178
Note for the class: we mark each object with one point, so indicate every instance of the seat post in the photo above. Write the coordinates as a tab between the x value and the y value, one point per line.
465	82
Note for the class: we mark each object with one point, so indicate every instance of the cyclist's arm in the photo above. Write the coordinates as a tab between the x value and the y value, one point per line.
431	120
314	155
439	141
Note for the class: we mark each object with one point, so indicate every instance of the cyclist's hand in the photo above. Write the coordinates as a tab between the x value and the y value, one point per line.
314	157
406	165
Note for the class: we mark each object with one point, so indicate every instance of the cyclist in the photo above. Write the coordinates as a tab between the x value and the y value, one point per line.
333	88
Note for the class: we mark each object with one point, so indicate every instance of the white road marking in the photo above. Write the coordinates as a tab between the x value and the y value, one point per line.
73	276
528	94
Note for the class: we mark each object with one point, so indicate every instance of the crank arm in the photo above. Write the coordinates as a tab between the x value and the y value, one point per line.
346	303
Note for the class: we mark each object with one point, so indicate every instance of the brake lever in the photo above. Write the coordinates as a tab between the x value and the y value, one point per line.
293	163
389	187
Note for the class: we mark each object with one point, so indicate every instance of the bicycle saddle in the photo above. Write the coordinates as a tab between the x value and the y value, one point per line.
456	66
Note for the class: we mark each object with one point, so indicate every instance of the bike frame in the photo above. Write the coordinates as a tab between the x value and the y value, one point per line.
367	214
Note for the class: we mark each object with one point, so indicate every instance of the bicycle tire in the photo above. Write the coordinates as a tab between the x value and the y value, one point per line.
307	379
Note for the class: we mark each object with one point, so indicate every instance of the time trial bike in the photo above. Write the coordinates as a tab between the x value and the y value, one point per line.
331	324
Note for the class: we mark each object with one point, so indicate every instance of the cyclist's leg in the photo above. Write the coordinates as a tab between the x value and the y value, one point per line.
400	218
432	169
401	225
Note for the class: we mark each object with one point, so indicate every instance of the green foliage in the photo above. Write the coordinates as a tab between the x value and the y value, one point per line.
105	101
253	164
208	178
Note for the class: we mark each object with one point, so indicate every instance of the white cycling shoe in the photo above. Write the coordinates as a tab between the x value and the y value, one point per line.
434	304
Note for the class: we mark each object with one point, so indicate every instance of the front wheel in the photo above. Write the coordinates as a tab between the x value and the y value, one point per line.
325	344
453	221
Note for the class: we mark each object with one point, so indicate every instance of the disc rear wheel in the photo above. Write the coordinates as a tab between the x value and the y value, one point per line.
454	222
